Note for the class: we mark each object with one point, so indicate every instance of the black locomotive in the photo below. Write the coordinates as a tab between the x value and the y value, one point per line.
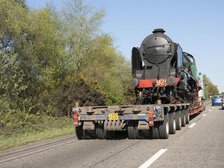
162	72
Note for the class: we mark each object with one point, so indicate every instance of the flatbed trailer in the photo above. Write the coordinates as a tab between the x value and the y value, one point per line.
153	121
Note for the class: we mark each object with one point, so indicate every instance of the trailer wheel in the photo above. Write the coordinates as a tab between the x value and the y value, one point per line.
100	132
164	128
183	119
109	134
131	130
172	124
79	132
187	117
178	120
155	132
89	134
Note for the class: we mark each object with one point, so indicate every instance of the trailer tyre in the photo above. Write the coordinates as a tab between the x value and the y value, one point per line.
172	124
183	119
89	134
155	132
109	134
187	117
131	130
100	132
79	132
178	120
164	128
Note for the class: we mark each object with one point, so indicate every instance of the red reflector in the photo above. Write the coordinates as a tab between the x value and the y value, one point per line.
151	118
76	119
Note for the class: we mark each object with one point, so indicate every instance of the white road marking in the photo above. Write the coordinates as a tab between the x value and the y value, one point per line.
209	110
204	115
192	125
153	158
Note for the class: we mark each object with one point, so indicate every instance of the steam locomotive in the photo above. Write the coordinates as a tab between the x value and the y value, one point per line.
162	72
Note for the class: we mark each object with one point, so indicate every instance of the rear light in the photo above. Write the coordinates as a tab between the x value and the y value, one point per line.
151	118
76	118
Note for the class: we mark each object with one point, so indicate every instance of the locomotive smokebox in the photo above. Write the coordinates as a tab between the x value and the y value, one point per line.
157	47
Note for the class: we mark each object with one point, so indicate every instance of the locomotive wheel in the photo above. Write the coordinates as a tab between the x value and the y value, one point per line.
155	132
178	120
172	124
183	119
164	128
79	132
131	130
100	132
187	117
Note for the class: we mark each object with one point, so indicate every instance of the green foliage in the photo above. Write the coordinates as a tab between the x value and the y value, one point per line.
31	58
92	55
16	122
108	69
50	59
13	19
210	88
80	25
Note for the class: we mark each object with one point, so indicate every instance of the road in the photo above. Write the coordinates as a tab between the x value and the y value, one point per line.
199	144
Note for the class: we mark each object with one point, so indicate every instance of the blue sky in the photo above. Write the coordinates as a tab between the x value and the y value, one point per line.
197	25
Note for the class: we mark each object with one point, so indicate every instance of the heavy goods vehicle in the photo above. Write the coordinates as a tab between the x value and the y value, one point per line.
166	85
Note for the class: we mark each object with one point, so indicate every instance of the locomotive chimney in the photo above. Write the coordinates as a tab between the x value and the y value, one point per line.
159	30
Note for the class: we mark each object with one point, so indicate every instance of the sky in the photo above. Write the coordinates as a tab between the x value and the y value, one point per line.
197	25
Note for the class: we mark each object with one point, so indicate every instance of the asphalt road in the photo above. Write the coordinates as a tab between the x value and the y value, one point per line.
199	144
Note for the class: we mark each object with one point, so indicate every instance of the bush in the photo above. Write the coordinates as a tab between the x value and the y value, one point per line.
71	92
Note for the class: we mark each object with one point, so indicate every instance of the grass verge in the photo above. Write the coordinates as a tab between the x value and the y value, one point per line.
53	128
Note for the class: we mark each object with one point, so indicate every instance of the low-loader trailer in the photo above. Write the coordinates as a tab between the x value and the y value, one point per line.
152	121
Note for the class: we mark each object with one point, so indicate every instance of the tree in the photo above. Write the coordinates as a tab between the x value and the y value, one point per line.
31	57
80	25
13	17
210	88
43	53
91	56
108	69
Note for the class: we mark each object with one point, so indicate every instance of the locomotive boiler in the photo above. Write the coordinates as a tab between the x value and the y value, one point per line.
162	72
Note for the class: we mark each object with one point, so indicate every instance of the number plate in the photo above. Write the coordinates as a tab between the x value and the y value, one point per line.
161	83
113	116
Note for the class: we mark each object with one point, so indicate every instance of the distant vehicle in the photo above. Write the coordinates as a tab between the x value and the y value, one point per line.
223	104
217	100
